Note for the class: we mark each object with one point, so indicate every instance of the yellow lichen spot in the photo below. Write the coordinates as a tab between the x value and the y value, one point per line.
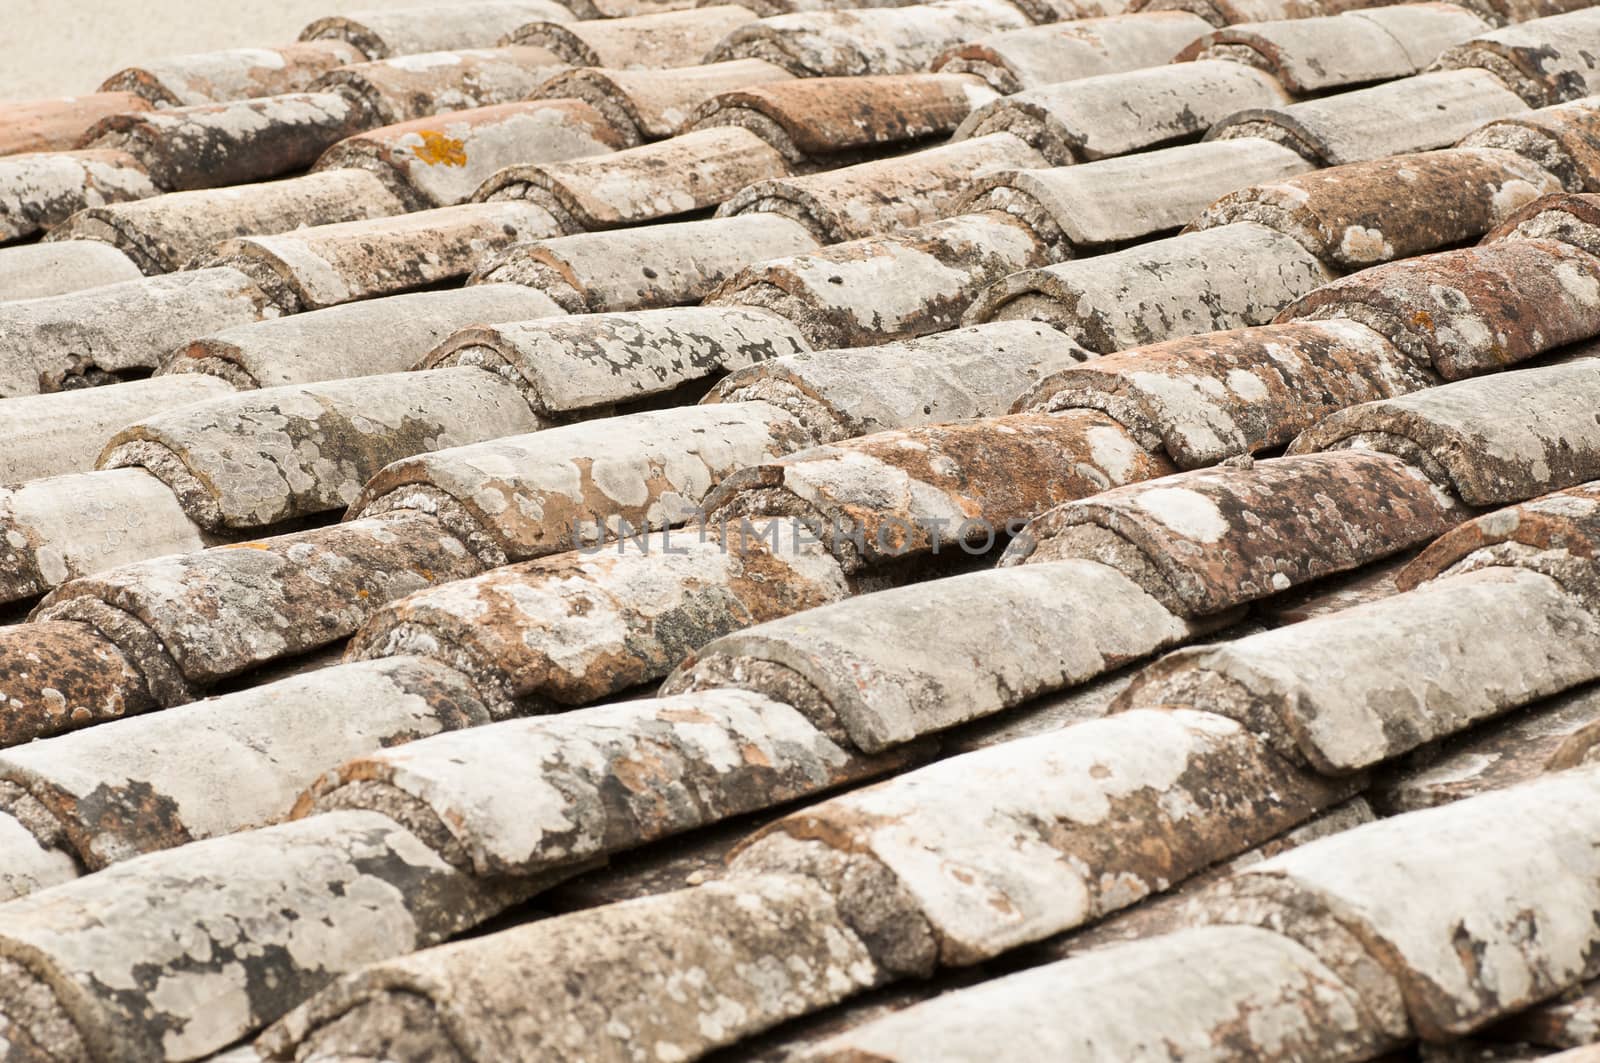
1422	319
437	149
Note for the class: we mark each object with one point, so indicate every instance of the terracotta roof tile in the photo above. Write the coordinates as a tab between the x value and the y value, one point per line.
66	675
340	341
1230	12
1411	114
649	266
972	372
408	87
326	265
170	232
43	190
33	271
59	124
887	195
233	74
685	174
1564	139
814	120
1312	55
1203	399
649	42
837	296
1095	118
877	40
48	343
1234	275
1546	61
442	160
569	368
654	104
436	28
46	435
1013	60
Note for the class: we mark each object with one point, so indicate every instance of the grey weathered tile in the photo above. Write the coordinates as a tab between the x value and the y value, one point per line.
655	104
432	27
43	190
34	271
232	74
653	41
1013	60
408	87
1546	61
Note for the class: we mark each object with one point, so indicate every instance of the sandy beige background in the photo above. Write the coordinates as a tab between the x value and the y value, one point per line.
61	47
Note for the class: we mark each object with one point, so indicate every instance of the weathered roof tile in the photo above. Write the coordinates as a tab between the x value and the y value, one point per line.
1364	213
231	74
874	40
1013	60
59	124
1412	114
888	195
655	104
1234	275
1470	311
408	87
170	232
441	161
649	266
433	28
1564	139
1546	61
1114	114
649	42
63	674
43	190
33	271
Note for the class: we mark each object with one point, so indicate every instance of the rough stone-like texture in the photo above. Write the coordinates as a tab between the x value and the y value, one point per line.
572	629
1365	213
1204	993
1556	735
970	372
523	798
1207	398
57	676
34	271
887	195
523	497
388	335
31	865
1232	12
1114	114
57	529
231	74
874	40
1210	539
169	232
1552	60
1350	689
410	30
567	368
1131	197
215	144
1571	1020
892	666
682	973
651	266
441	161
649	42
153	959
39	191
681	175
310	269
194	619
256	458
1065	51
938	488
1564	139
810	120
1474	310
118	790
1202	281
59	124
70	340
654	104
1464	948
47	435
1314	55
1412	114
879	289
1497	439
961	860
409	87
